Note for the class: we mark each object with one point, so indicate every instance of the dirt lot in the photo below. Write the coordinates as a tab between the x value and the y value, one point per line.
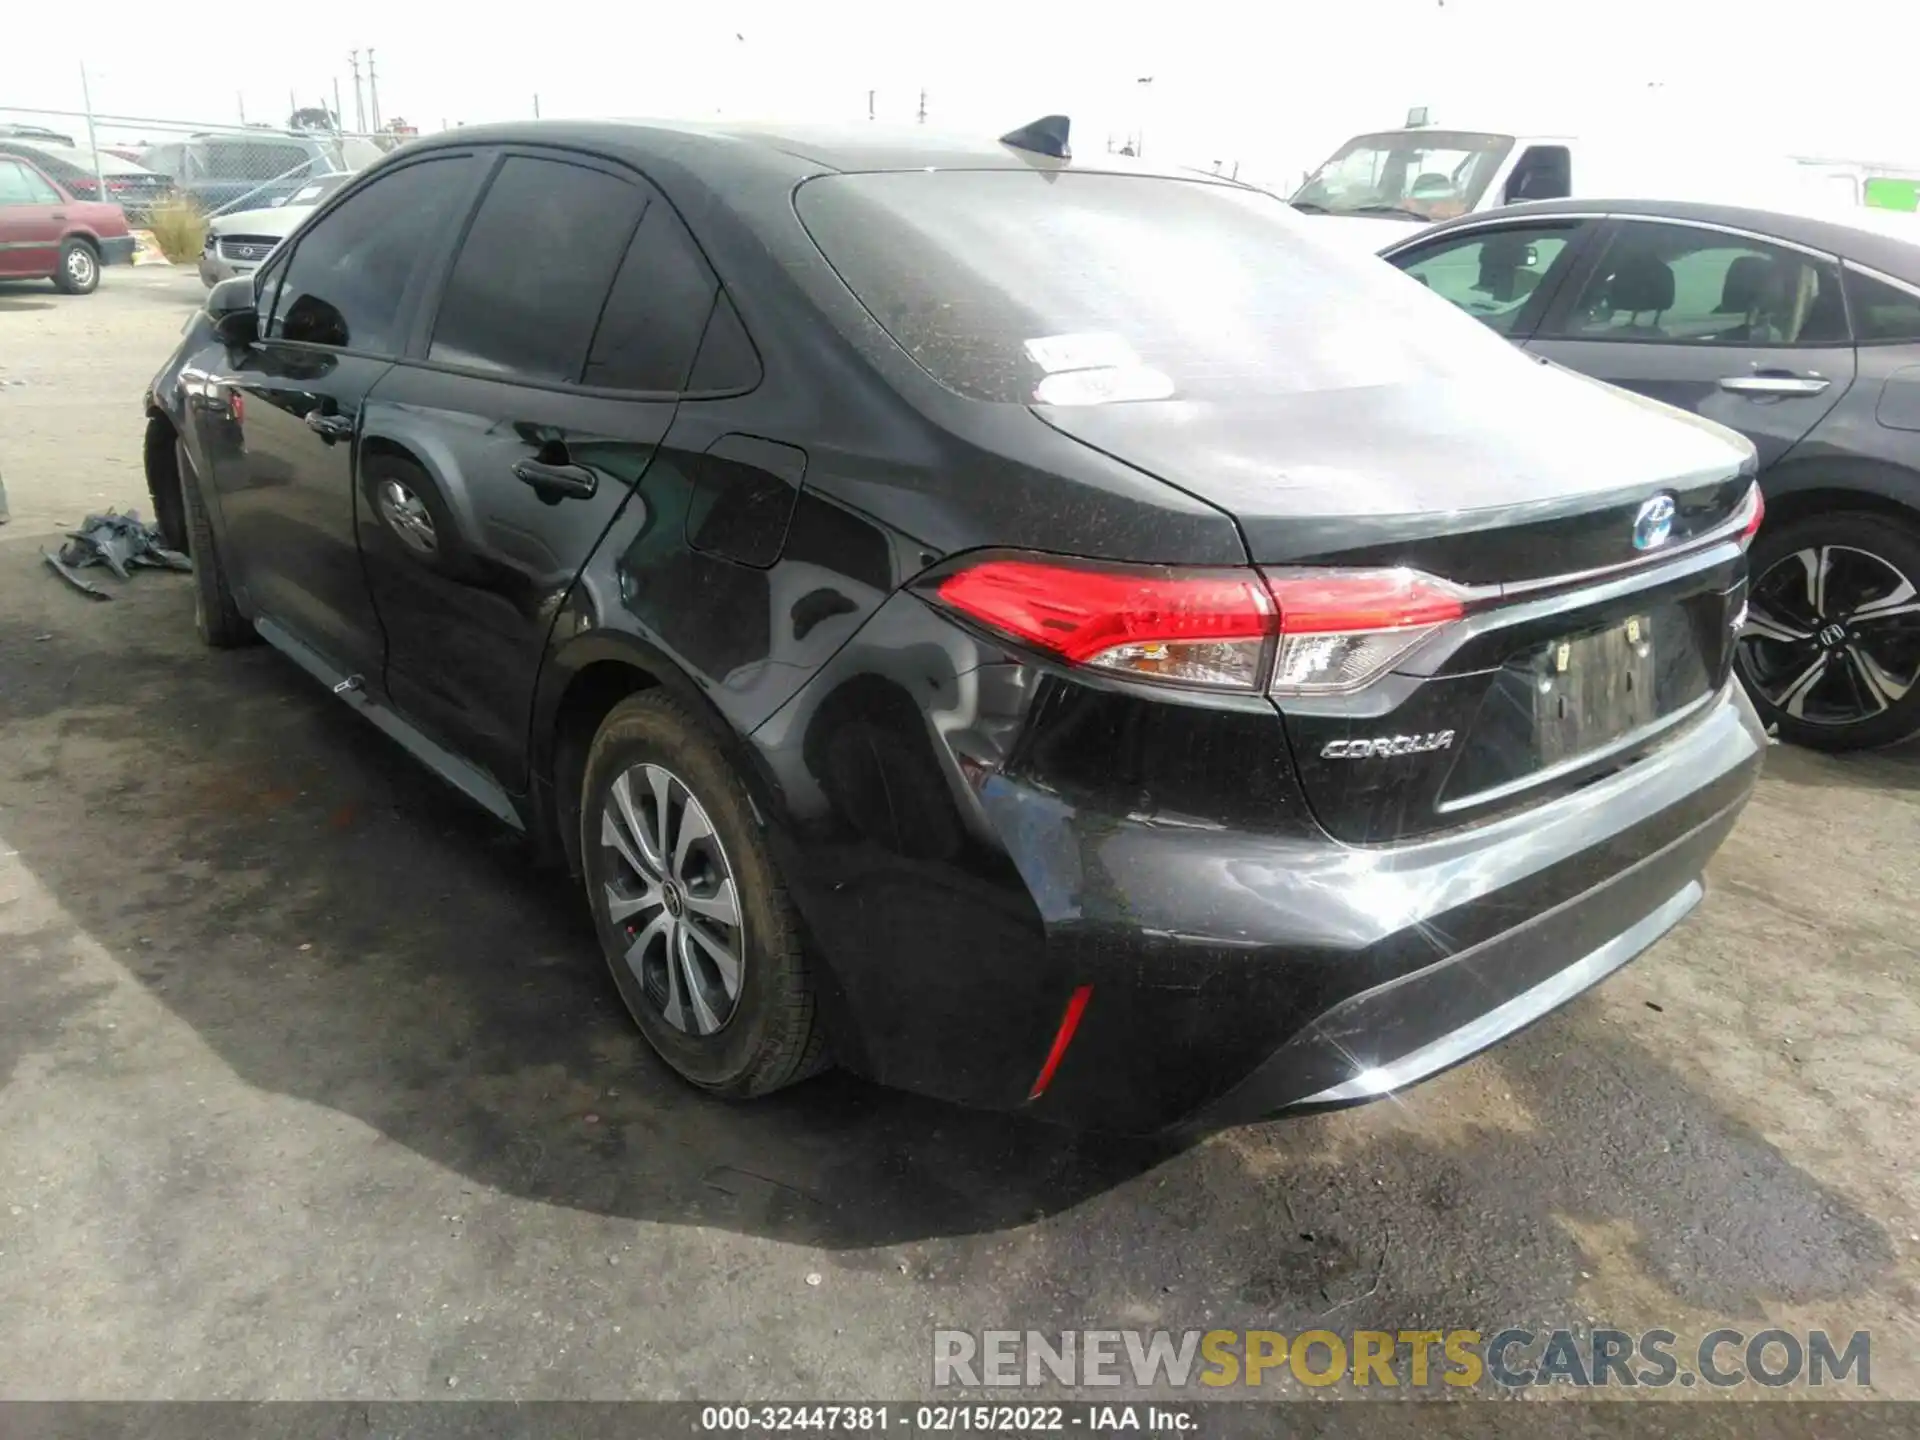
306	1089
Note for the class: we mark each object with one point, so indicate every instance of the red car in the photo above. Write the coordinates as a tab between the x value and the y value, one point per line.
47	234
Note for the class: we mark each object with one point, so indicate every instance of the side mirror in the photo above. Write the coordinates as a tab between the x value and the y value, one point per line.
230	306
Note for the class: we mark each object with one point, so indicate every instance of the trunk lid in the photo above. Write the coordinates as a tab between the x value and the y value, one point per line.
1580	649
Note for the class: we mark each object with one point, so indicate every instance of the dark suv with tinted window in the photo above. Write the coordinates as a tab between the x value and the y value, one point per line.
1041	632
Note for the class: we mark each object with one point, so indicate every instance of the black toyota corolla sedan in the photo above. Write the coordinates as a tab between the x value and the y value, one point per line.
1034	631
1802	333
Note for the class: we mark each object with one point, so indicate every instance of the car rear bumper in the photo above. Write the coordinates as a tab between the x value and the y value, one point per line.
965	869
1295	980
117	251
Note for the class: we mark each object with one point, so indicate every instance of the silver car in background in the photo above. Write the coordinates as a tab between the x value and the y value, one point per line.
238	244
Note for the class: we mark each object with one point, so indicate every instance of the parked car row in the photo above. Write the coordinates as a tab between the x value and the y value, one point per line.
1043	632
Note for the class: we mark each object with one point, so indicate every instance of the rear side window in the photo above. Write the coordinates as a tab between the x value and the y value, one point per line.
1678	284
22	186
1883	314
1025	286
525	295
656	310
349	278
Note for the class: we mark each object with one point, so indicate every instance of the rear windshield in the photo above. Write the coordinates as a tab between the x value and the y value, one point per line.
1043	287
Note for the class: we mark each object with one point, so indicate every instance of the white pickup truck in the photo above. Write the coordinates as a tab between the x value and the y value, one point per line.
1379	187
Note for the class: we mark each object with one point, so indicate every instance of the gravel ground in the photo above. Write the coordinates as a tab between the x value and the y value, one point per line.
308	1089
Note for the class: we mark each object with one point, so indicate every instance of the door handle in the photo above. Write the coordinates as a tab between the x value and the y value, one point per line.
329	427
59	214
1774	385
557	482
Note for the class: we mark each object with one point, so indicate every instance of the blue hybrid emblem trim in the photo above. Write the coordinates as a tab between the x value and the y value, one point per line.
1654	523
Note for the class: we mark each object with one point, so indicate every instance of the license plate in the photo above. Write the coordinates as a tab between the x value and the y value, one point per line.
1591	689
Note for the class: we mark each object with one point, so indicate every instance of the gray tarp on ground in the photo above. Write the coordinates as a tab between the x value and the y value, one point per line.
121	542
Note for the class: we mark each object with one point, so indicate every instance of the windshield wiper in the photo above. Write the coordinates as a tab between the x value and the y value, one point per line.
1311	207
1386	210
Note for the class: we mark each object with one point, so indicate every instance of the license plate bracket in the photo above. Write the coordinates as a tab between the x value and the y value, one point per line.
1592	688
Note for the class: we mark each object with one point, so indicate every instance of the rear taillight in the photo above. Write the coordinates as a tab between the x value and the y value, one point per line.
1754	508
1298	632
1207	628
1343	629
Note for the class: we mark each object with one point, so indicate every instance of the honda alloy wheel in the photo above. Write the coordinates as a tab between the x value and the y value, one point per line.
1830	650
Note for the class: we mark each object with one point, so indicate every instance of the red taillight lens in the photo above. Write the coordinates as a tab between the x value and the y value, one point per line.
1182	627
1336	630
1755	507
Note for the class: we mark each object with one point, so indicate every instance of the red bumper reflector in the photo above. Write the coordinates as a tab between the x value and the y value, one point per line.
1069	1022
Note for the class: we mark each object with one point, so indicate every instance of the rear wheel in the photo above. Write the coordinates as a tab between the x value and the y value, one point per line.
697	929
79	270
215	615
1830	650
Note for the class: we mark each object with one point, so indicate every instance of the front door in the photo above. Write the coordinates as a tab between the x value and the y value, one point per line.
30	221
499	457
334	317
1745	332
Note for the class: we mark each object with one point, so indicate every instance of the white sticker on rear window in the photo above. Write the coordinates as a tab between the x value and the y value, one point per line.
1092	351
1110	385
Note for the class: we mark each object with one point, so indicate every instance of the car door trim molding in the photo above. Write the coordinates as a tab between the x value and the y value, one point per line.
469	779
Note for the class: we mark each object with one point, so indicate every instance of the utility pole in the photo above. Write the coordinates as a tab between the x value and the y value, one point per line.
359	103
870	104
293	107
339	118
373	89
240	99
536	104
93	143
923	104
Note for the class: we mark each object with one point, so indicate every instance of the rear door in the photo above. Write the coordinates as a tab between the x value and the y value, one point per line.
31	220
1504	276
1745	331
498	454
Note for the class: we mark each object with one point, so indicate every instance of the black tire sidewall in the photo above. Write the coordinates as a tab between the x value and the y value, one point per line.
1895	539
216	616
652	727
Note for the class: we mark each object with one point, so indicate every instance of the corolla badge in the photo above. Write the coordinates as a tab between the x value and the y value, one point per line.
1653	523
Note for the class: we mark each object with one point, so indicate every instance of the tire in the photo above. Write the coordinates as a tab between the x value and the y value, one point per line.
216	617
78	271
1830	651
764	1035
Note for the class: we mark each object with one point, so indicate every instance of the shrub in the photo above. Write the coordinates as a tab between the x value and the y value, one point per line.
179	229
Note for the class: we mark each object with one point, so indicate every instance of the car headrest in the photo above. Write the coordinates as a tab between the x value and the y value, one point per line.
1740	291
1641	283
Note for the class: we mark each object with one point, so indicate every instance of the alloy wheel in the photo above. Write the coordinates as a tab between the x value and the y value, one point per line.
1832	635
673	899
407	515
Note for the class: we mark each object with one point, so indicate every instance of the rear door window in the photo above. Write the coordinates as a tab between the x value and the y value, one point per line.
525	295
656	310
1661	283
348	282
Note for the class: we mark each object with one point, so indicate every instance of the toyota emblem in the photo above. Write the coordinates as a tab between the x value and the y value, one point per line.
1653	523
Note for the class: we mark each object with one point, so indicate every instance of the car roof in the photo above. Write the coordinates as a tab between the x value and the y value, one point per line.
72	155
1877	239
809	149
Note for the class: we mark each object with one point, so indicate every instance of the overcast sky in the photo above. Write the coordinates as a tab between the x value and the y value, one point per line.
1272	86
